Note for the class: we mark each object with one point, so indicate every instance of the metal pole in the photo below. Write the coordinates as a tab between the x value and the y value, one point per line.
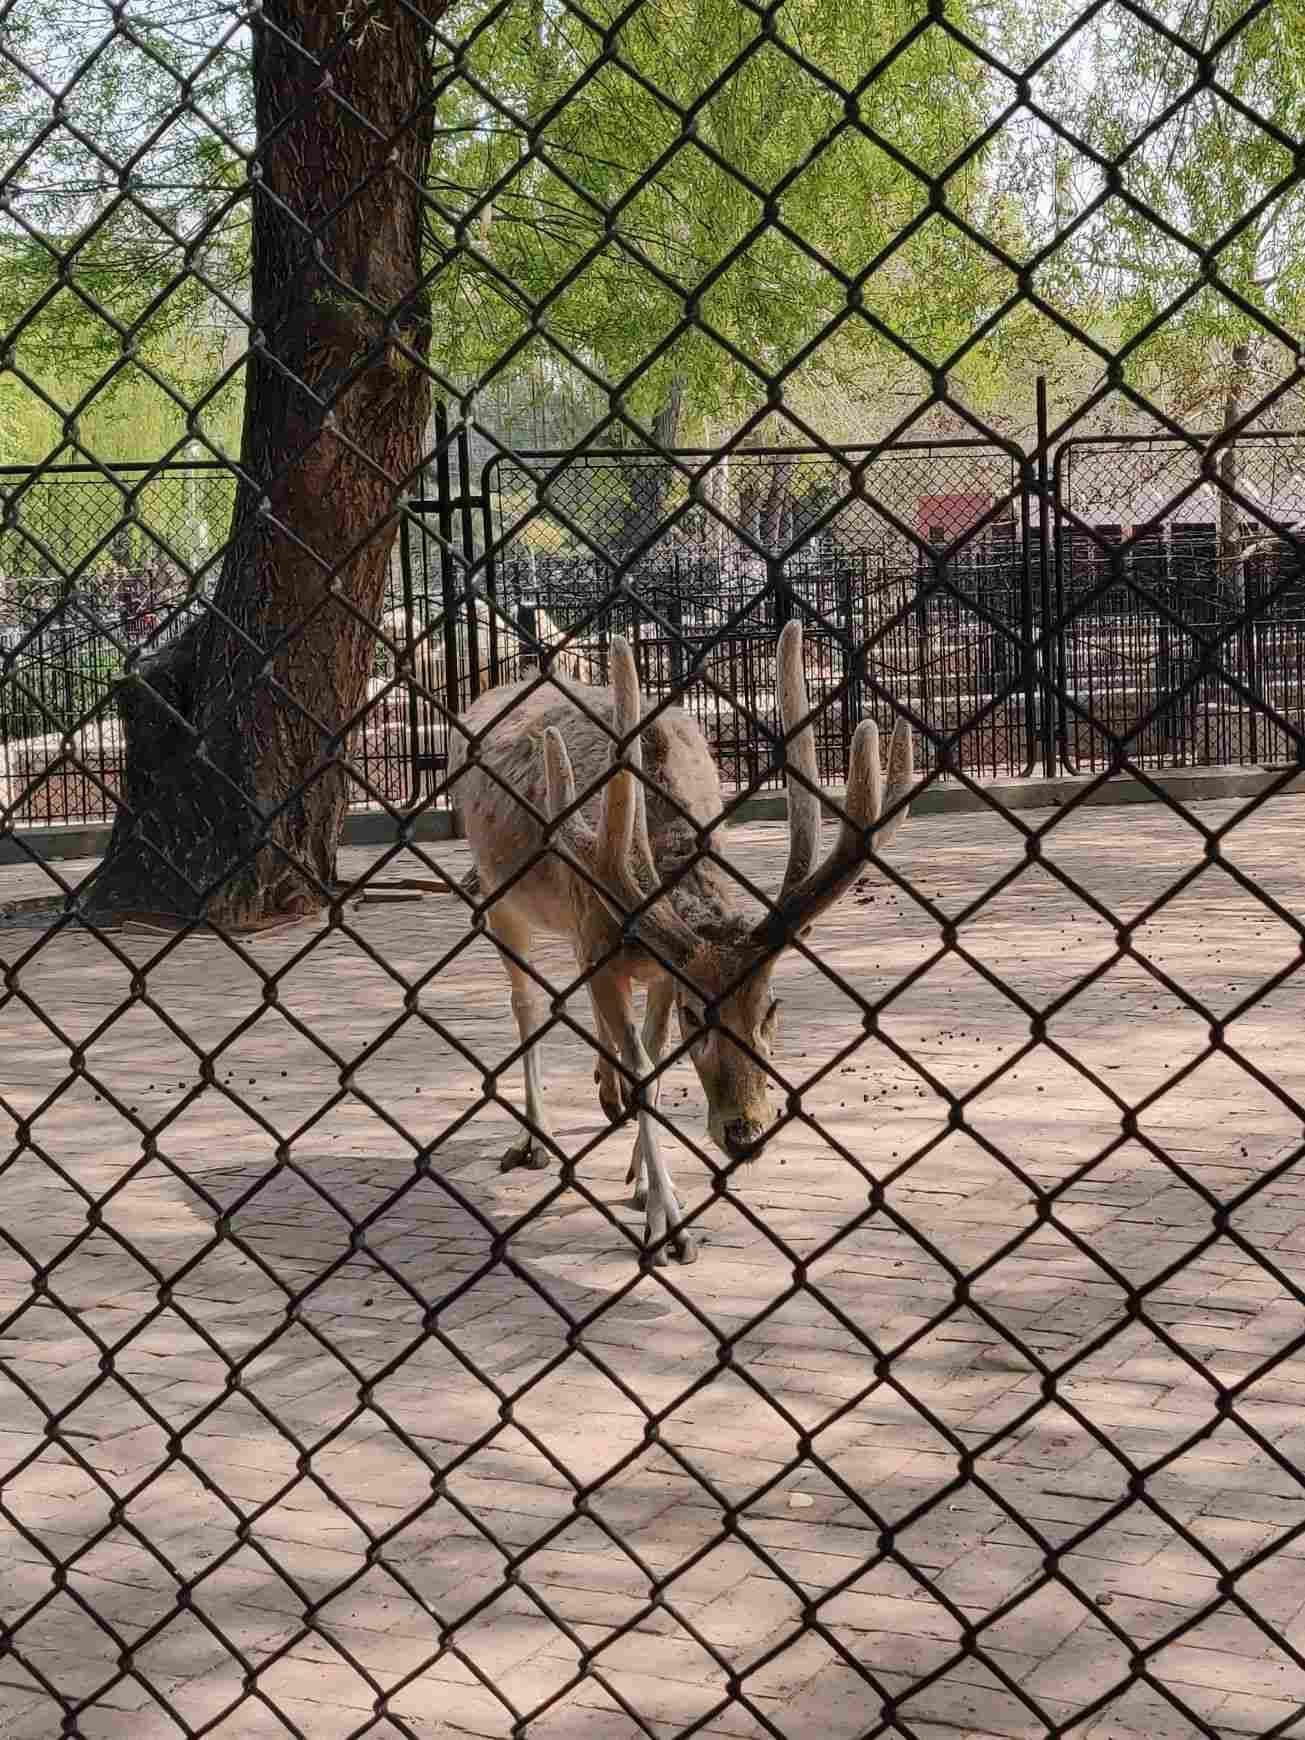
469	555
491	565
1033	735
414	723
448	579
1044	587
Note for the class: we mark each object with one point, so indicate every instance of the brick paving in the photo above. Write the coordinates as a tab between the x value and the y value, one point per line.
879	1511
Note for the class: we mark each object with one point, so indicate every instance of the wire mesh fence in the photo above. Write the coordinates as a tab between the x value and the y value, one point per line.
722	552
614	1273
96	564
100	567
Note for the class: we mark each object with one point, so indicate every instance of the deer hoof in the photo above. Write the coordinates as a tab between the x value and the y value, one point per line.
684	1248
613	1097
681	1245
528	1155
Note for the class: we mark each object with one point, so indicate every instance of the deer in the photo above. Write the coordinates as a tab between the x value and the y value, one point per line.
630	874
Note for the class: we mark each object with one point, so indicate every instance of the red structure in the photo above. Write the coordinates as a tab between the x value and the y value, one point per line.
941	519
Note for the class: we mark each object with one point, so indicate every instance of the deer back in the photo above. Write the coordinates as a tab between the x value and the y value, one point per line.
507	766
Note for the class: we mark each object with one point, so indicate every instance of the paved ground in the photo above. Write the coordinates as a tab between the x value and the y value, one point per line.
802	1493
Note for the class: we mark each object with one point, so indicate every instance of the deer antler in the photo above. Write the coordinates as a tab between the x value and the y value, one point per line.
559	779
619	855
624	850
806	893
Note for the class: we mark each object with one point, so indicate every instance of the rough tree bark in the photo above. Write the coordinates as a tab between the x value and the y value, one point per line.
650	484
776	507
234	789
1232	568
750	491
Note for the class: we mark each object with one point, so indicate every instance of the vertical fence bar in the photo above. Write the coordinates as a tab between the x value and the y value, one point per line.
1022	576
469	556
1055	649
1256	681
491	564
448	578
409	624
1050	662
841	578
674	609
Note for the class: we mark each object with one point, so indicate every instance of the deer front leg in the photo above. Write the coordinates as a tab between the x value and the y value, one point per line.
530	1007
656	1026
613	1091
664	1214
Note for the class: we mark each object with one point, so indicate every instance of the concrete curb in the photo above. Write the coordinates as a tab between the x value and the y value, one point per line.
1188	785
91	839
377	828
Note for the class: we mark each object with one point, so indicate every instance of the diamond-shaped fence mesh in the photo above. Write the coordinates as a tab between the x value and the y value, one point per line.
103	564
97	563
649	1074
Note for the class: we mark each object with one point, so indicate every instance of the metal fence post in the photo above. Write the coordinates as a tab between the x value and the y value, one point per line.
449	597
1046	535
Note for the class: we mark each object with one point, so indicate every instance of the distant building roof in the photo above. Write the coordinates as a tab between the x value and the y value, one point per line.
951	514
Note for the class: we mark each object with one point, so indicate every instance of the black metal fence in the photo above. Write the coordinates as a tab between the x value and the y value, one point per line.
1179	607
100	567
908	567
916	569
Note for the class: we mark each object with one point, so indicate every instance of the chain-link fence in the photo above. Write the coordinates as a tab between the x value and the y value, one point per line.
888	616
907	564
97	564
608	1272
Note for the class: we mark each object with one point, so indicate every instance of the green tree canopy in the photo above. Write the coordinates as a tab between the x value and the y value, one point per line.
123	234
1188	259
713	170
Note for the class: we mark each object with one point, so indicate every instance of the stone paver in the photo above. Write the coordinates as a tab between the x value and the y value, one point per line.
462	1465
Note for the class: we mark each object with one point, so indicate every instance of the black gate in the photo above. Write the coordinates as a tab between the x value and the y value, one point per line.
909	565
1179	627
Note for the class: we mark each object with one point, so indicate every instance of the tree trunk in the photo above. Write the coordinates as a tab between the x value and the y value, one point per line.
234	791
750	495
775	508
1232	568
650	483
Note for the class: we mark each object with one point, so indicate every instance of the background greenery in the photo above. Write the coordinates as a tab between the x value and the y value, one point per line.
840	242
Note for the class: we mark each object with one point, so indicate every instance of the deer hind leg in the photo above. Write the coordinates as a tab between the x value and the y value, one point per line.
530	1007
656	1026
664	1214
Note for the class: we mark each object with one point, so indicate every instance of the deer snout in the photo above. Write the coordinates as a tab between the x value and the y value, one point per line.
744	1137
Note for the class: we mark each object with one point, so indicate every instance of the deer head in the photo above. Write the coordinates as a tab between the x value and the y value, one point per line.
722	974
